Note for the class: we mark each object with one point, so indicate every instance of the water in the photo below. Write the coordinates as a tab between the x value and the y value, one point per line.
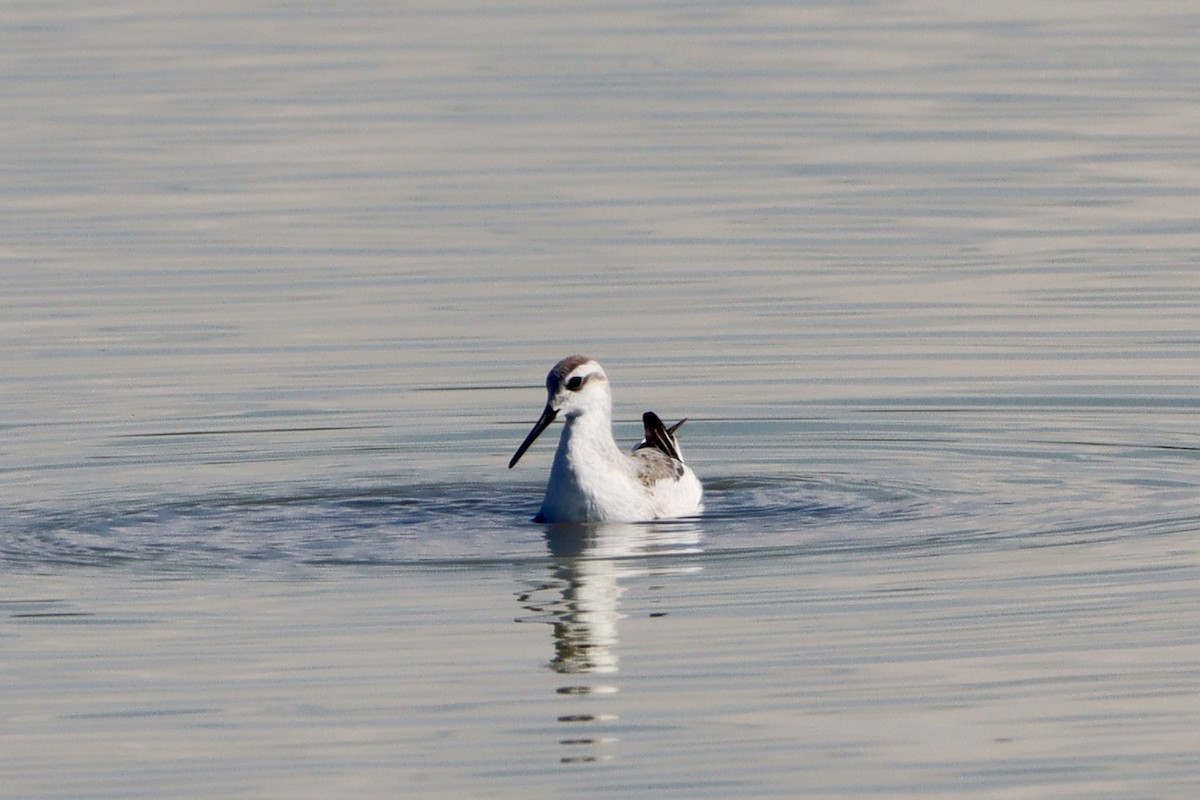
281	284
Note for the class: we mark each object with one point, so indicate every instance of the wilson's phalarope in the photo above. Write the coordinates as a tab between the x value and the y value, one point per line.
593	480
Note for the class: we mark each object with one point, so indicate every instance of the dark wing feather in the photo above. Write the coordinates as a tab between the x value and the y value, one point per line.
659	436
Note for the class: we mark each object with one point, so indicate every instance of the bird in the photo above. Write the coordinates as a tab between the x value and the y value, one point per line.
592	479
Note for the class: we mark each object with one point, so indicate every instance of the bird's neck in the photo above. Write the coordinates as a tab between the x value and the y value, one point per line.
590	432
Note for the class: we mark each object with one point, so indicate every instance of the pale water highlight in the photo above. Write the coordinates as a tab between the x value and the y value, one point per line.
280	284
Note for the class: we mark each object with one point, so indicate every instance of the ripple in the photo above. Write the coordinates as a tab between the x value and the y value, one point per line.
424	523
480	525
432	524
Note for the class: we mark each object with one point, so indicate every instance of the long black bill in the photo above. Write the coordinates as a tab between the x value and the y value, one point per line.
543	422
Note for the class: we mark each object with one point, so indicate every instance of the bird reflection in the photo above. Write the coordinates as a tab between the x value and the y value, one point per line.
589	567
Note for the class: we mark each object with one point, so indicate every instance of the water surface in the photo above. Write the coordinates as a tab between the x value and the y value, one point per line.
281	285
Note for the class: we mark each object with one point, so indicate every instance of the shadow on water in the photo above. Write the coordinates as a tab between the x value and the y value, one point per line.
580	600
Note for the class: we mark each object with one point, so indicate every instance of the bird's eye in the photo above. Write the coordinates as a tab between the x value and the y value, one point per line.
574	383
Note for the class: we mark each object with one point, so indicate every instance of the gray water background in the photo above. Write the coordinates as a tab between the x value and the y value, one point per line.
281	282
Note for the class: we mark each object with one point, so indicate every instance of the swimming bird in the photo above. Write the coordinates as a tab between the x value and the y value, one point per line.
593	480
